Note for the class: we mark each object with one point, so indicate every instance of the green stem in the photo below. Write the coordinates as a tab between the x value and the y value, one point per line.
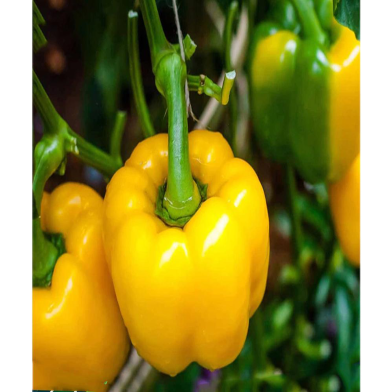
68	140
155	35
43	104
39	39
182	197
116	137
294	211
228	33
136	76
309	20
228	37
94	156
204	85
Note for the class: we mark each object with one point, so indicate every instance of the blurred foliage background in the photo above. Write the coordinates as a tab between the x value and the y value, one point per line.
305	335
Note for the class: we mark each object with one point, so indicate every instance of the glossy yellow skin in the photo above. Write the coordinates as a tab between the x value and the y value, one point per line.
187	294
79	338
345	206
344	55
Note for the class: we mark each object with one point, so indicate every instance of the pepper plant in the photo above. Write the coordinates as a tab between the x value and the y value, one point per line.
169	199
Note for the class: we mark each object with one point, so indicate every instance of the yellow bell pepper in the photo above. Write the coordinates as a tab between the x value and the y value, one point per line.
186	294
79	338
345	206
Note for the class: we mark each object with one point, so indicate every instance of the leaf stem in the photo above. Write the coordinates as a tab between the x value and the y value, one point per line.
309	20
71	142
204	85
228	38
116	137
136	76
39	39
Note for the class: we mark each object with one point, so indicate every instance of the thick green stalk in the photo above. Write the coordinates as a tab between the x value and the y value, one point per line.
69	141
43	104
309	20
182	197
157	41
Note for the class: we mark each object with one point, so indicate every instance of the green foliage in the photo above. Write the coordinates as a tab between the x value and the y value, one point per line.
102	29
347	12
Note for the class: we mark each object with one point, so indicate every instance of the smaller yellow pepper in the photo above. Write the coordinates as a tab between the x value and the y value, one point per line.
345	206
79	338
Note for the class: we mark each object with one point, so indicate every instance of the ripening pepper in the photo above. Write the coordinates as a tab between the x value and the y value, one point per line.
186	294
79	338
344	197
304	71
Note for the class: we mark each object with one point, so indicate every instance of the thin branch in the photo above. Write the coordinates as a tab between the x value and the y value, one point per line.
238	53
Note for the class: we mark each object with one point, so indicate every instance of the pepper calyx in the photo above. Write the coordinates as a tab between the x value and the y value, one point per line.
163	213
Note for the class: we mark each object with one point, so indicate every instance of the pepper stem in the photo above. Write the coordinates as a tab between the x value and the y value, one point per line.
309	20
57	131
182	197
157	41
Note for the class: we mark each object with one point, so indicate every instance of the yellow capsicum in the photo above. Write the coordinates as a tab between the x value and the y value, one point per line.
344	197
79	338
186	294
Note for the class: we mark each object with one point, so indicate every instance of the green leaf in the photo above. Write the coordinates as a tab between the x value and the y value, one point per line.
344	319
347	12
189	47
